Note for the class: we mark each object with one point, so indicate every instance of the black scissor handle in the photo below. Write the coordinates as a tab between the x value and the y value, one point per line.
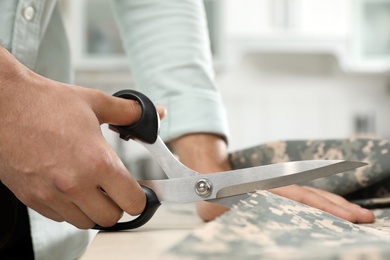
147	127
146	130
152	204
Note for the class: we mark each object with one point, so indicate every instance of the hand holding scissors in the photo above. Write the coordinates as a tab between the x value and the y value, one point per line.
224	188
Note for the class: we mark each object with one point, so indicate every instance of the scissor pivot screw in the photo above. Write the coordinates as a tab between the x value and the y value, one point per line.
203	187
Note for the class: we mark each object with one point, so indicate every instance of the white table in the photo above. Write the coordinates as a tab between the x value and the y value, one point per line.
171	223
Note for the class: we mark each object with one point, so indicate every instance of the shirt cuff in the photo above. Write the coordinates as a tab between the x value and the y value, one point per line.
203	113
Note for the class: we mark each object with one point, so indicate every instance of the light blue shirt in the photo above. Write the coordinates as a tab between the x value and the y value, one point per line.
168	49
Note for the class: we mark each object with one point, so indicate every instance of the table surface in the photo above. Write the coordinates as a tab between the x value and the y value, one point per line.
170	226
171	223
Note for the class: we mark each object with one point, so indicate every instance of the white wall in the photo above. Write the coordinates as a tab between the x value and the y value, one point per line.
299	96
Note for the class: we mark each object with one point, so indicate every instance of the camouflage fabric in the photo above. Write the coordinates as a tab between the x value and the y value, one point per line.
365	182
267	226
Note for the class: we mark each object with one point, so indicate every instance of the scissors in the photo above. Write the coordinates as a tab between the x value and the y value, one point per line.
185	185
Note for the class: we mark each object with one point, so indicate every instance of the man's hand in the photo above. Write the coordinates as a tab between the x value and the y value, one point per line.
53	156
207	153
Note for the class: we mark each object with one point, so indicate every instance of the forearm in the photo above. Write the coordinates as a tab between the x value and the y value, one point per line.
169	53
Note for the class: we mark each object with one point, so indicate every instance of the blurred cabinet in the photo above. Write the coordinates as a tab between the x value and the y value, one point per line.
287	17
93	35
357	32
372	34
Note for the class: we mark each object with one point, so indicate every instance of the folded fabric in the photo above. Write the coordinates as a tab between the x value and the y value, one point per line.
371	181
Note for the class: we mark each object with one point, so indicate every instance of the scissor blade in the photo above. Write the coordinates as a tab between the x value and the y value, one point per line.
230	195
286	174
233	183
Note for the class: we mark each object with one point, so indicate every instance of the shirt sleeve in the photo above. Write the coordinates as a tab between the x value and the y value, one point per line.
169	54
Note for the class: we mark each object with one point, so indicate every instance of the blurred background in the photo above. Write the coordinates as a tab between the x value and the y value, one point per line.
286	69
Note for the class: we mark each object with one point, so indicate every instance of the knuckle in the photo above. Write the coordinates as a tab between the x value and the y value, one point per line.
136	205
67	185
99	160
34	197
46	197
135	107
97	94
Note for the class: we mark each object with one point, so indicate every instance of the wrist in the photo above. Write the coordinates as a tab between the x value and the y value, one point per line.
11	70
205	153
202	152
